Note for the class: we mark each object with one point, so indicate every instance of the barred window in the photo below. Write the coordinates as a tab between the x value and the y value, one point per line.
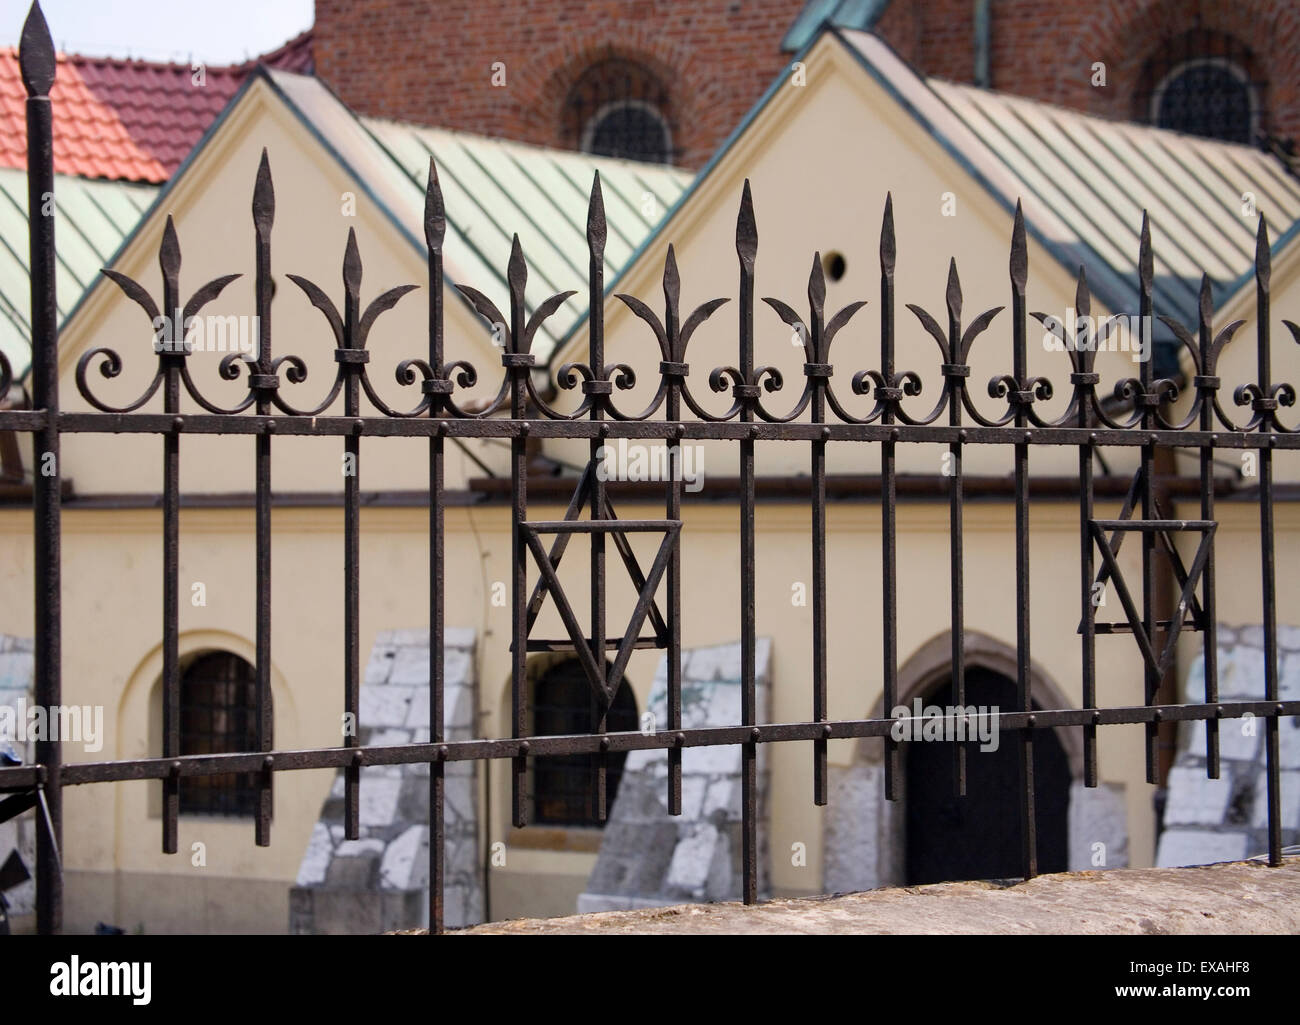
1203	84
562	784
218	716
618	108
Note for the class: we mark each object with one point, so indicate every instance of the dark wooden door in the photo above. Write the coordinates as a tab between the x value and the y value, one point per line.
978	836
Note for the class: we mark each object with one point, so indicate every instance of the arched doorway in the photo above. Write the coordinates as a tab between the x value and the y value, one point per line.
865	837
978	836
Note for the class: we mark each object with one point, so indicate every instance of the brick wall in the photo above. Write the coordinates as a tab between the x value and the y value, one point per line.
432	61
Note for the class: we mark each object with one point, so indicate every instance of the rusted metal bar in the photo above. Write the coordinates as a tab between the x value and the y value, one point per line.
37	64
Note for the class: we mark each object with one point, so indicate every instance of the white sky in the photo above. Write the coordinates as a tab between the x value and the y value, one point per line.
211	31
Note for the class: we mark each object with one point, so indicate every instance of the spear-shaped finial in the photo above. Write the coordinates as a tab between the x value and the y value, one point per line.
746	230
1019	252
352	266
1082	296
953	293
1263	254
263	196
596	230
517	269
817	286
435	218
888	248
169	253
36	54
1146	257
1205	301
672	279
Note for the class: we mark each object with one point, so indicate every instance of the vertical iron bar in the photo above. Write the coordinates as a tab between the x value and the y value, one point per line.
263	217
1263	272
1087	610
352	544
888	496
1087	560
435	228
1019	277
816	302
36	60
747	250
672	327
596	336
955	499
1210	643
1147	463
517	275
171	358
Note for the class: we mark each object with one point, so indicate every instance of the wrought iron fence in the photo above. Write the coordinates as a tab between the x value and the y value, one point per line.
817	417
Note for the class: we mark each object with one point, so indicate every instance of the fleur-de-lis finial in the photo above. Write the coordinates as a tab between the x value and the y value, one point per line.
36	58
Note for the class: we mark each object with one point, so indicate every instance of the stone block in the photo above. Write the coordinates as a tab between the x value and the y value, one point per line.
385	705
1289	800
1199	847
1195	800
1097	815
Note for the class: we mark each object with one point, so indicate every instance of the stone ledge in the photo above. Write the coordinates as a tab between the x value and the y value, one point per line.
1234	897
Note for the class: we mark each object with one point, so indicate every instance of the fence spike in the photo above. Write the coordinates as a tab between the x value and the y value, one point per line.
817	287
1019	253
435	218
1263	254
953	293
517	273
596	229
1082	296
672	280
747	230
888	246
36	54
169	253
352	266
263	196
1146	257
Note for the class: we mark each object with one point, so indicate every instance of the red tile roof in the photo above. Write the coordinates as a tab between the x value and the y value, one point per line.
127	120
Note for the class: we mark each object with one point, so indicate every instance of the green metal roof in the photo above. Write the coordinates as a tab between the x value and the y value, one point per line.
1094	178
493	189
92	218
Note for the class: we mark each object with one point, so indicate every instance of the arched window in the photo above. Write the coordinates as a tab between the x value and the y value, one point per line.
618	108
562	785
218	716
1202	84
